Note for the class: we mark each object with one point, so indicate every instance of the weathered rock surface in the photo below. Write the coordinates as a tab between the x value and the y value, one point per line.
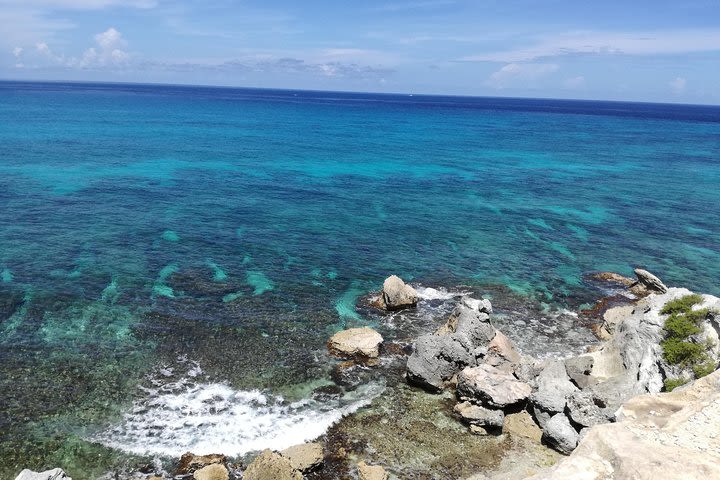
481	416
270	465
54	474
587	410
354	342
559	433
611	318
669	436
553	387
396	295
212	472
502	353
579	369
522	425
647	283
371	472
190	462
305	457
492	387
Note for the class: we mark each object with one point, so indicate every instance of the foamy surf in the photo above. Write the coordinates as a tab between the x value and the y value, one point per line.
429	293
179	415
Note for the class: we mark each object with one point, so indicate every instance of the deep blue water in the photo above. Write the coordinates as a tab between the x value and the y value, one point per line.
235	228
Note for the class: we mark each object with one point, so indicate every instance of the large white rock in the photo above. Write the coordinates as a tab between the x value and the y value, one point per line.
364	342
397	295
491	387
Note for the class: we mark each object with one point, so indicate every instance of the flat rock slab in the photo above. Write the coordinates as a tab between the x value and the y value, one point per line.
215	471
304	457
522	425
363	342
476	415
491	386
271	465
371	472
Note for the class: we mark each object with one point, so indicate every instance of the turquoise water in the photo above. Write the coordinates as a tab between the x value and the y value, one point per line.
236	228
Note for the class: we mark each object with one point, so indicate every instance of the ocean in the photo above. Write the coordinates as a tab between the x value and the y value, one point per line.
174	258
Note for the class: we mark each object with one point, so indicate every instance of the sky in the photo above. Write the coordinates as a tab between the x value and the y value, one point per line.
639	50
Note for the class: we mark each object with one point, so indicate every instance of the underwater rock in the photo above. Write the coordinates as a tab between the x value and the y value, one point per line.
54	474
371	472
362	342
613	278
304	457
491	387
215	471
396	295
646	284
271	465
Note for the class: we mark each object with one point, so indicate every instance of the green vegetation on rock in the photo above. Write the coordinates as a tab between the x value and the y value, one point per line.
678	347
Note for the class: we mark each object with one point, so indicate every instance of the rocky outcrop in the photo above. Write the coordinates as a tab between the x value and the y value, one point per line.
361	342
215	471
396	295
54	474
190	462
371	472
491	387
672	436
480	416
271	465
646	284
305	457
553	388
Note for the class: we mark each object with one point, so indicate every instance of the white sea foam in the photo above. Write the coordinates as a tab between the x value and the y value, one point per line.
181	415
428	293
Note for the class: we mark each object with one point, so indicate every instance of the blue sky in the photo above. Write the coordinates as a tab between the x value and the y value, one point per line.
622	50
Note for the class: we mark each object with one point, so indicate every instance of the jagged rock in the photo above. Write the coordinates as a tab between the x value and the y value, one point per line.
436	359
363	342
305	457
476	415
611	318
541	416
587	410
212	472
669	436
560	434
190	462
54	474
371	472
647	283
579	369
470	323
553	387
528	370
271	465
396	295
491	387
502	353
522	425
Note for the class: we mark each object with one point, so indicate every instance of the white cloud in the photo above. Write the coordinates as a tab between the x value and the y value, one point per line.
77	4
17	51
608	43
574	82
517	74
110	39
678	85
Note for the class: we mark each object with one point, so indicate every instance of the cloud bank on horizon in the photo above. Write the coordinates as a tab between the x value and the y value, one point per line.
642	50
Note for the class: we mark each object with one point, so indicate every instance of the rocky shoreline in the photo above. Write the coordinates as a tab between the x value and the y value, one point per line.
602	408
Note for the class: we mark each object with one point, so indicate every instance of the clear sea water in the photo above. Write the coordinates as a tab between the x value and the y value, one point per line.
173	259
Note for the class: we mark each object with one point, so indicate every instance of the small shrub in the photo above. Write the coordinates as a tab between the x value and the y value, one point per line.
672	383
702	369
678	352
680	326
682	304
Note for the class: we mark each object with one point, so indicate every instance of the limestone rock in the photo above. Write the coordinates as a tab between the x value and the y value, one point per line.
190	462
54	474
669	436
371	472
435	360
270	465
553	387
587	410
397	295
476	415
647	283
579	369
491	387
611	318
470	323
560	434
363	342
522	425
502	353
305	457
215	471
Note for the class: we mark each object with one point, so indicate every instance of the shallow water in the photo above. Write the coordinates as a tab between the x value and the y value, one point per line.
145	227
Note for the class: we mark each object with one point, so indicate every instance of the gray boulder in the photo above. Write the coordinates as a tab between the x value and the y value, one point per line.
587	410
553	388
560	434
647	283
54	474
470	323
435	360
477	415
396	295
491	387
579	369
